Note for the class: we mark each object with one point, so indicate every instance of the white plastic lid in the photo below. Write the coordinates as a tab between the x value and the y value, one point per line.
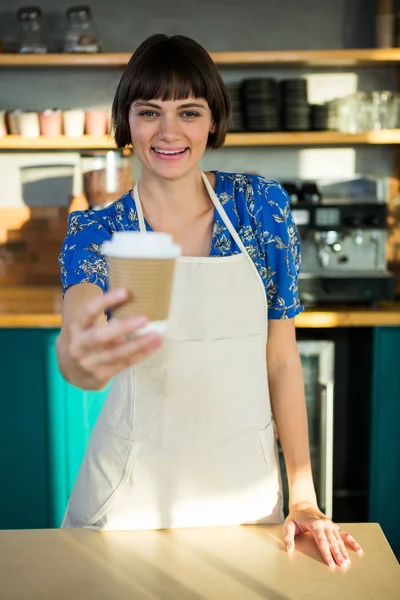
134	244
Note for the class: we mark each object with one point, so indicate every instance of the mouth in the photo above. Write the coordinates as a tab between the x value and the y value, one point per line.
169	153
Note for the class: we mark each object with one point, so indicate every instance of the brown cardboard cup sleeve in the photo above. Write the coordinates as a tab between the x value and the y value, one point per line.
149	282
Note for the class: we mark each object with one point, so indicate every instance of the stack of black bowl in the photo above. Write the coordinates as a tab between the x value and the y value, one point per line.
234	91
295	107
320	120
260	104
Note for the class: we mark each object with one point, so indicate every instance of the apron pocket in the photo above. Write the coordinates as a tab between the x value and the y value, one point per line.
103	473
214	389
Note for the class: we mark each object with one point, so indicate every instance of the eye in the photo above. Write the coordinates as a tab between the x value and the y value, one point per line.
190	115
147	113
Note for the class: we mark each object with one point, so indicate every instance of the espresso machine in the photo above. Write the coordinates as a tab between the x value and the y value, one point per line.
343	231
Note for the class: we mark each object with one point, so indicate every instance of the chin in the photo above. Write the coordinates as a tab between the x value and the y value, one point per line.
173	171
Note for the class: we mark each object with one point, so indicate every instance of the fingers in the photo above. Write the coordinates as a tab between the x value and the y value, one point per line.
125	354
289	530
116	330
323	544
331	543
336	548
350	541
125	357
97	306
342	547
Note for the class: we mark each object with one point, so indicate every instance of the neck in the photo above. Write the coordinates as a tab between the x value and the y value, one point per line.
178	199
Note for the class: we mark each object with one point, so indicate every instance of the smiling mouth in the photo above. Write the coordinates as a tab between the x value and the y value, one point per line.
169	152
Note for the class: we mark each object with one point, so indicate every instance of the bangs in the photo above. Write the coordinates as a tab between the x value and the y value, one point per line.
167	75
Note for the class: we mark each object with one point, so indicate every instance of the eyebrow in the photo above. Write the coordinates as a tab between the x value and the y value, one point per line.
153	105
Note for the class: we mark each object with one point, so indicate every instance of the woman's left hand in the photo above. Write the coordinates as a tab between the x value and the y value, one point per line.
329	538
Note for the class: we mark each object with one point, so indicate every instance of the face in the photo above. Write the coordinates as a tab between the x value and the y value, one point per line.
169	137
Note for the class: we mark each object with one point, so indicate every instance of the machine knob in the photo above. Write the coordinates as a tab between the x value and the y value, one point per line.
372	220
353	221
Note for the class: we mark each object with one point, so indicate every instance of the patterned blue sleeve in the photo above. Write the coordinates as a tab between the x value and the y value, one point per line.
282	252
81	258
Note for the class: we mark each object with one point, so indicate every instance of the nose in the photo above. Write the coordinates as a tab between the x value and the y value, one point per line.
169	128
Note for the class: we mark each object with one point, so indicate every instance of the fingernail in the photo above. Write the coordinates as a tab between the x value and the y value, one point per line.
359	549
137	322
120	293
153	337
331	563
289	547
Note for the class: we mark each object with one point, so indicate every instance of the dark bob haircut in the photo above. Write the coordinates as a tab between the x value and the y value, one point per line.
170	68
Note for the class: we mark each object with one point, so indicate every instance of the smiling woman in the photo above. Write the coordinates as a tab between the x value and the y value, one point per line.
186	438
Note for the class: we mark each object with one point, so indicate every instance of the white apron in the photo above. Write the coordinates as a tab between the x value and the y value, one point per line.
185	438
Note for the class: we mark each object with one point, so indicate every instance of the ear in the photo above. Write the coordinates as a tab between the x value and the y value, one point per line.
213	127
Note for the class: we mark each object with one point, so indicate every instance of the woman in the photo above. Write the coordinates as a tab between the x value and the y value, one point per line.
186	436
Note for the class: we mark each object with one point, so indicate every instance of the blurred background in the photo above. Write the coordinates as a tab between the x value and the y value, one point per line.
315	91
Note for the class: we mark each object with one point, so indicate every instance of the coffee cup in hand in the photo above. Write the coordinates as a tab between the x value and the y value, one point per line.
143	264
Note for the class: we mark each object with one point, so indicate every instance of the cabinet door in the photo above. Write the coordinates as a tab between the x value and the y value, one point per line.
24	500
385	445
44	429
70	414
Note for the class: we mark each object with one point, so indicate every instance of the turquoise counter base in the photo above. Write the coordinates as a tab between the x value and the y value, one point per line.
44	430
46	424
385	434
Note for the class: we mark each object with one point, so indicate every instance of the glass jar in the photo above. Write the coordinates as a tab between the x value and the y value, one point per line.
80	35
381	105
31	40
106	177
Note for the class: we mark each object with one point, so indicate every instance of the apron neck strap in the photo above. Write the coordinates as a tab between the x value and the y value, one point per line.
139	210
214	199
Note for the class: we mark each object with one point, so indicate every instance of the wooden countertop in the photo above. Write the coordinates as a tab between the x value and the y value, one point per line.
210	563
41	307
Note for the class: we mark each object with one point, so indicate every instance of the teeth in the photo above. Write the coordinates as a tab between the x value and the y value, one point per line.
169	151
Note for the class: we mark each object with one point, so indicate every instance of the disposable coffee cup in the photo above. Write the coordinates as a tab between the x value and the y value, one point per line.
143	264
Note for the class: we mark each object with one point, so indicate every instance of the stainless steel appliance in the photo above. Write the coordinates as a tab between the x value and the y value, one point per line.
338	366
317	359
343	241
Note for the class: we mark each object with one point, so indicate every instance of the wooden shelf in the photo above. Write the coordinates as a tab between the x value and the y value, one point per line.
309	58
64	60
86	142
313	138
387	315
306	138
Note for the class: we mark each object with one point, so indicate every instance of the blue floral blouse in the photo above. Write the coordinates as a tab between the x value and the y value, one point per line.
259	211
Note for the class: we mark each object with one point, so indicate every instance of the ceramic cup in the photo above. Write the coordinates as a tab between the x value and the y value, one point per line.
29	124
74	122
96	122
13	119
3	129
50	122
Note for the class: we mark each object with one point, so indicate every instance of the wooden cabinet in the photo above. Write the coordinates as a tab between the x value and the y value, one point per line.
44	430
385	434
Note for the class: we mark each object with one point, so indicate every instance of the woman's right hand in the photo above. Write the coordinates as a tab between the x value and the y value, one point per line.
93	352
